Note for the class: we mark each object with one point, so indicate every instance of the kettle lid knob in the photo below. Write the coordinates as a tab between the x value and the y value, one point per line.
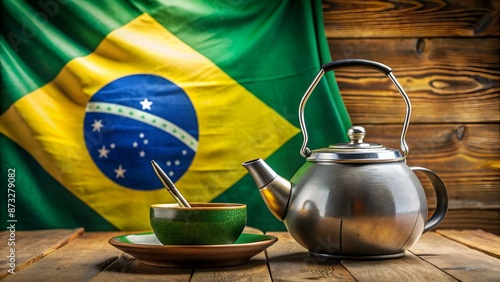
356	134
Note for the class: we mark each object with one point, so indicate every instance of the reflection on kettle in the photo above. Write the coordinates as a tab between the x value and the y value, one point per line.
353	200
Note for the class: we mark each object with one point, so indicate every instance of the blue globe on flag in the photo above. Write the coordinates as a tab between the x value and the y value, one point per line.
136	119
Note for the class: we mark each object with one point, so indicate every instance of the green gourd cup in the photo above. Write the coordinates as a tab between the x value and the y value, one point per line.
202	224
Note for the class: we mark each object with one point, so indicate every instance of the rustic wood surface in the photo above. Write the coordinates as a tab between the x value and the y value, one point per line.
448	80
78	260
446	55
430	18
444	255
288	261
475	239
127	268
457	260
31	247
408	268
471	219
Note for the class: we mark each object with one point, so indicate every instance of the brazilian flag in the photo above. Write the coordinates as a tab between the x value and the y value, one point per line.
92	91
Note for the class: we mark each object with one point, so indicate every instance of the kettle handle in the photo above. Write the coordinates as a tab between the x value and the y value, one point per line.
441	197
304	151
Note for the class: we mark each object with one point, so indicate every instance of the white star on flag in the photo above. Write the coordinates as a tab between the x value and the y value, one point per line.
120	172
146	104
103	152
97	125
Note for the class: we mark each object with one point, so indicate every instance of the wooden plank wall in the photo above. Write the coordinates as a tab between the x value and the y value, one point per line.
445	54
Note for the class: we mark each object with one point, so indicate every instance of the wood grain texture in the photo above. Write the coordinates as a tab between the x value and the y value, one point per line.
431	18
128	268
477	239
255	270
447	80
486	219
79	260
457	260
433	257
469	55
288	261
407	268
446	55
32	246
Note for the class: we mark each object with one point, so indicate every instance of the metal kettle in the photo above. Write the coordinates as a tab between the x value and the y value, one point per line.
353	200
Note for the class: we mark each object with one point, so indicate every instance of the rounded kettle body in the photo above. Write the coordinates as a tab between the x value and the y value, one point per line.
356	210
353	200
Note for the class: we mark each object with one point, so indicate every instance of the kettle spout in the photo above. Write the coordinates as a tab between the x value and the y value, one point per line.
274	189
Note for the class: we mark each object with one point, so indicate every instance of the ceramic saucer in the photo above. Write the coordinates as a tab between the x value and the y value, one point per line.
146	248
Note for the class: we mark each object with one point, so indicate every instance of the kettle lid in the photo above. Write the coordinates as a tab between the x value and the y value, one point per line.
356	151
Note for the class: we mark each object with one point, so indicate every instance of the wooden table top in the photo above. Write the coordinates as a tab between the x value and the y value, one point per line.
76	255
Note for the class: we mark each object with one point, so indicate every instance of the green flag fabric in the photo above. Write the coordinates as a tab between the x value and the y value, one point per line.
92	91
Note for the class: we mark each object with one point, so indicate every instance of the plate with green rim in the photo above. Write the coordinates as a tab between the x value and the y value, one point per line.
146	248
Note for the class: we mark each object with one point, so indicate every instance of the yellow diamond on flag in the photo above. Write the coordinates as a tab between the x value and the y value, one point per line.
63	124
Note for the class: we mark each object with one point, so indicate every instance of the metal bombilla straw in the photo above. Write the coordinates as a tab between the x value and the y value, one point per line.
170	185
